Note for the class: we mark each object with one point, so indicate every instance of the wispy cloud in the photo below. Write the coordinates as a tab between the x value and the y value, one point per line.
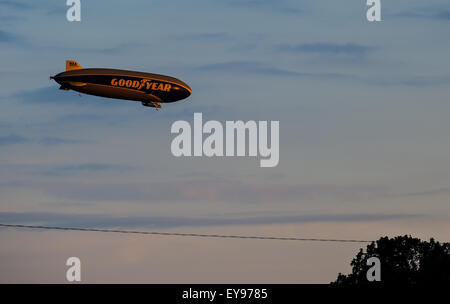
52	95
16	5
206	37
54	141
12	139
153	222
6	37
280	6
4	125
429	12
204	190
412	81
9	38
48	7
259	68
349	49
326	53
252	67
444	15
432	192
122	48
79	117
64	170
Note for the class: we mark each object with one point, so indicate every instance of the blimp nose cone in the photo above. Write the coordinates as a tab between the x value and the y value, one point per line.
187	93
181	92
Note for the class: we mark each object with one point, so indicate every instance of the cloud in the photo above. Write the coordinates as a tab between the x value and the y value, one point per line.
349	49
412	81
280	6
117	49
15	5
186	113
326	53
443	15
218	190
206	37
251	67
439	191
432	13
9	20
258	68
4	125
47	6
48	170
64	170
426	80
245	67
122	48
12	139
47	95
52	95
54	141
8	38
79	117
154	222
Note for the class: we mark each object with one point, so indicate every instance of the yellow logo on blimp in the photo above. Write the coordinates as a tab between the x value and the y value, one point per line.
136	84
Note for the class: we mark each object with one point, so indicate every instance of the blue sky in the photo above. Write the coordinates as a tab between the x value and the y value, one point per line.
363	110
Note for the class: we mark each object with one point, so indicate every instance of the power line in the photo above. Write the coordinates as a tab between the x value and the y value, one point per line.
185	234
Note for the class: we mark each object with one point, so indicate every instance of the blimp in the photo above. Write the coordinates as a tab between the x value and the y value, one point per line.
150	89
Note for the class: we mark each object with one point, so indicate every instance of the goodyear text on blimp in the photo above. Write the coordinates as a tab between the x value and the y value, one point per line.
190	142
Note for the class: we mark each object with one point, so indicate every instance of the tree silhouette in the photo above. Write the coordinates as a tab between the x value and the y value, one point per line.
404	260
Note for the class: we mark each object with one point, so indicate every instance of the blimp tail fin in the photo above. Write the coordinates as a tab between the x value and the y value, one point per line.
72	65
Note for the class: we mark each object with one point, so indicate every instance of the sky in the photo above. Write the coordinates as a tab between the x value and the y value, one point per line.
364	144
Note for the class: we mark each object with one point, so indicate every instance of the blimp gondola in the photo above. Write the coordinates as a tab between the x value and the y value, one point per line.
150	89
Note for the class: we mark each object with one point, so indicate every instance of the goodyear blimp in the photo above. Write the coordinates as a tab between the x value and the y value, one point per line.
150	89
